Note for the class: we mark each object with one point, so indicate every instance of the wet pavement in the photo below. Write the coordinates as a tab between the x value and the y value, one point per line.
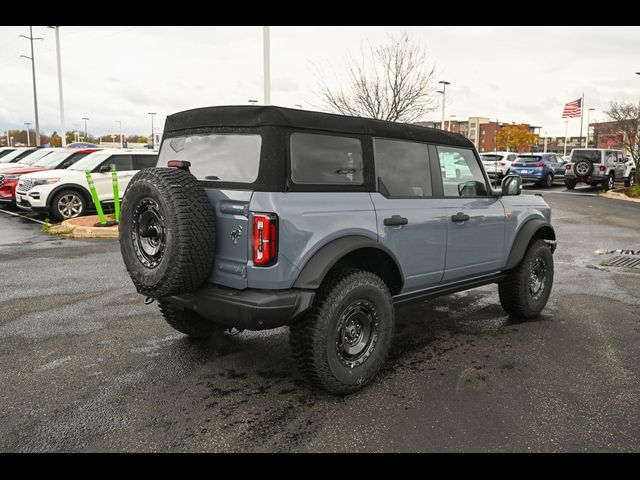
86	366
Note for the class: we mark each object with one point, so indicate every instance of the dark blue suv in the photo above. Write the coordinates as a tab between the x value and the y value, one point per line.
540	168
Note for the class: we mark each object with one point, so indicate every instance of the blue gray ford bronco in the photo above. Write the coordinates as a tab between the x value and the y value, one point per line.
259	217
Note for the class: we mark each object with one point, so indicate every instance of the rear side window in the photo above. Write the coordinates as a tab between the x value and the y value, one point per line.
144	161
72	159
216	157
402	168
326	160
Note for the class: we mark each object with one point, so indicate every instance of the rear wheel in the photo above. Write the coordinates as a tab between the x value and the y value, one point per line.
547	182
525	291
631	181
68	204
343	342
609	182
189	322
570	184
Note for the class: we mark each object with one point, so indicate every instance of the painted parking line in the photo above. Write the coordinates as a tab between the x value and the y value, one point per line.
23	216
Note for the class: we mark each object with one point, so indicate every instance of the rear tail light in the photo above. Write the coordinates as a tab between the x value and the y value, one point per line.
568	167
265	239
602	168
539	164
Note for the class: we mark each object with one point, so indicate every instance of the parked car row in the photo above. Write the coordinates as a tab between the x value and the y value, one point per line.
52	181
539	168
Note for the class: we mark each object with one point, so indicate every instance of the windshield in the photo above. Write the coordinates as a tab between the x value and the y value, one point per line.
529	159
34	157
491	158
590	155
223	157
89	162
16	155
53	159
5	152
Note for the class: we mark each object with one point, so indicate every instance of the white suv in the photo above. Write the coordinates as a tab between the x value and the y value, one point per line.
498	164
65	193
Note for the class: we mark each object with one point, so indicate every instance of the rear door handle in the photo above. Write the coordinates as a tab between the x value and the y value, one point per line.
460	217
395	221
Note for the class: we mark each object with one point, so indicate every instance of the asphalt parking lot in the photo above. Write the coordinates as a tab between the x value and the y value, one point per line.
88	367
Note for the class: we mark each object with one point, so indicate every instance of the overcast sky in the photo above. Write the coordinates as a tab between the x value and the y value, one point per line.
520	74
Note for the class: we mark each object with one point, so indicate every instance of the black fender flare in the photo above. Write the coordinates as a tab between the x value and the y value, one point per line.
70	186
523	238
317	267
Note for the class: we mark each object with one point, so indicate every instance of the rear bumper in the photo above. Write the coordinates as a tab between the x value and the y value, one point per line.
246	309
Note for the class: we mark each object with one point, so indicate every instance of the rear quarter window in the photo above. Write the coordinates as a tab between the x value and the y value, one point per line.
326	160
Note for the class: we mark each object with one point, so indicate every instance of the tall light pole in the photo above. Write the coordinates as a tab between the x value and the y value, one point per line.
33	73
86	135
60	95
586	143
119	122
153	135
545	142
444	97
28	139
266	52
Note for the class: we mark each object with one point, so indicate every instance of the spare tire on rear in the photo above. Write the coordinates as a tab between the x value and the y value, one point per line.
582	168
167	232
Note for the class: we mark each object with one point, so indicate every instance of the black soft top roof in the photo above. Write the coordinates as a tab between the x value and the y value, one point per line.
258	116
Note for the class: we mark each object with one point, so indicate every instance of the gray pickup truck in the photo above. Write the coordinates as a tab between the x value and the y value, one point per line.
260	217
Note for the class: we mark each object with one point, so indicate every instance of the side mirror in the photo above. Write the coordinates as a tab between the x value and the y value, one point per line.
511	185
105	169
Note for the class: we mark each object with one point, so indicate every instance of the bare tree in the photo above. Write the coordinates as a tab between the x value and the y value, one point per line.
392	82
626	116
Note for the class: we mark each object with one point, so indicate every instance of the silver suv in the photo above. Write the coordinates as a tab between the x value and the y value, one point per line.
599	167
261	217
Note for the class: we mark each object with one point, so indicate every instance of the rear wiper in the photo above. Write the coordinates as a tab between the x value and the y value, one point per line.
211	177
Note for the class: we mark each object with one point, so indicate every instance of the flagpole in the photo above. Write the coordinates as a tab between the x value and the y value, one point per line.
581	116
566	131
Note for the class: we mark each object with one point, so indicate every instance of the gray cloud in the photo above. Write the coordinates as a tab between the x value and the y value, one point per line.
121	73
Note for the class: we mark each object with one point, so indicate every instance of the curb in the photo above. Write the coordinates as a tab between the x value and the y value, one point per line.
619	196
69	228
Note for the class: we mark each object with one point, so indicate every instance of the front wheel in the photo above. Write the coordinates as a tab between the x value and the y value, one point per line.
68	204
526	289
343	342
631	181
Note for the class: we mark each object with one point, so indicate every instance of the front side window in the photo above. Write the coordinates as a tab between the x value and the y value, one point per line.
461	173
216	157
121	162
326	160
402	168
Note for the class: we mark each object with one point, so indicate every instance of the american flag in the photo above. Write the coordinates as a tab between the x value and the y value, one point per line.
572	109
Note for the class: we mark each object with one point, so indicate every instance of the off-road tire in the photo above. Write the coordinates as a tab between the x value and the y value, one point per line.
67	192
189	322
580	172
313	340
570	184
609	182
514	291
631	180
188	232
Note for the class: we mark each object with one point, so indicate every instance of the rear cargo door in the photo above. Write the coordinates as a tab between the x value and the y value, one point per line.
232	228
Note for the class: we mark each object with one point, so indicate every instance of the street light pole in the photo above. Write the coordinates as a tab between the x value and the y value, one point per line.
586	143
266	48
33	73
28	139
444	94
545	142
86	135
60	95
153	135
